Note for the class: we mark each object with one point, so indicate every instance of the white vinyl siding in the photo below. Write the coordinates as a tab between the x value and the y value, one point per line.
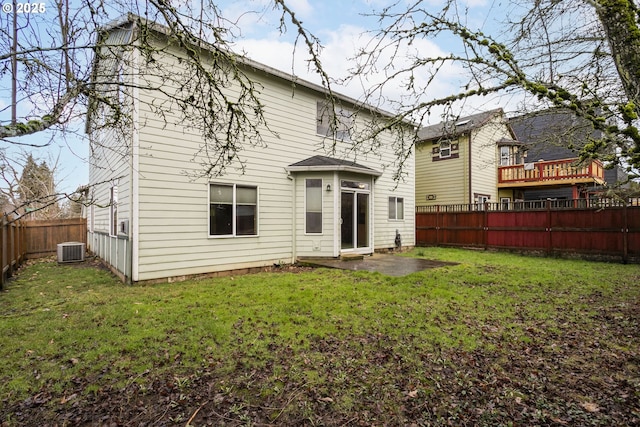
173	221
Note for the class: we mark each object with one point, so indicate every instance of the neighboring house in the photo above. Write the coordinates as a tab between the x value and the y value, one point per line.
456	161
553	138
487	158
151	221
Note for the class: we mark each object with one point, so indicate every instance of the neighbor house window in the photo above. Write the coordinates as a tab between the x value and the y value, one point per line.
336	122
445	149
505	156
233	210
313	206
113	211
396	208
482	200
505	202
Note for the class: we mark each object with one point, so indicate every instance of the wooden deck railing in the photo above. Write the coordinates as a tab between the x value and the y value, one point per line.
552	171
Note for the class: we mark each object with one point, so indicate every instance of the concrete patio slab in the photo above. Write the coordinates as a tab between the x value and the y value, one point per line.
387	264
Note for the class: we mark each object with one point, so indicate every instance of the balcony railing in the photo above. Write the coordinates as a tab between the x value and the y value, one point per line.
553	172
530	205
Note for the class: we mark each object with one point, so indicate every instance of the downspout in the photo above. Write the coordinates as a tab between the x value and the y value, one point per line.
470	155
135	171
337	215
294	229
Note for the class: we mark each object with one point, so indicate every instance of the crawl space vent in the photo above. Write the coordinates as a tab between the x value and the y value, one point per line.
71	252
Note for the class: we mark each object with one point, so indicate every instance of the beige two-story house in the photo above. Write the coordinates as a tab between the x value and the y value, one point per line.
155	217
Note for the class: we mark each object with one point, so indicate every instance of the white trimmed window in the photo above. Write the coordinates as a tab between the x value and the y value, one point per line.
233	210
313	206
445	149
505	156
396	208
505	202
113	211
337	123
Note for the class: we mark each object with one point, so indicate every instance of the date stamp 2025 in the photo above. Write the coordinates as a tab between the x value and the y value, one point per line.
19	7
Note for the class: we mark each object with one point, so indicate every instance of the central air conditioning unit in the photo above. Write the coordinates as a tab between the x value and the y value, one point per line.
71	252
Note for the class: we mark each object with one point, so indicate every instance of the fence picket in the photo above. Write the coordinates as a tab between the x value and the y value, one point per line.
600	229
20	240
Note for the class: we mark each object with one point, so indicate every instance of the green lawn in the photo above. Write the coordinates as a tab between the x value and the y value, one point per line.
498	339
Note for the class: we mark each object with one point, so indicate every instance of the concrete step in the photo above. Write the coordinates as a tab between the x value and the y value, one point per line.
351	257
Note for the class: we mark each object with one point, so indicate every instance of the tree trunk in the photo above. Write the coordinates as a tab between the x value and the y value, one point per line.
620	21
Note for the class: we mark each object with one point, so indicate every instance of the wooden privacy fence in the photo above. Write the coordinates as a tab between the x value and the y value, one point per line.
33	239
590	229
12	247
42	237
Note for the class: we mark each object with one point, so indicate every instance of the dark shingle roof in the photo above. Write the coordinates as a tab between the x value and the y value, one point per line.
324	163
548	134
452	128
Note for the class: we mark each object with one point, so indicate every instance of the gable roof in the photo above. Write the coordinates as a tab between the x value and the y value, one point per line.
450	128
324	164
131	19
549	133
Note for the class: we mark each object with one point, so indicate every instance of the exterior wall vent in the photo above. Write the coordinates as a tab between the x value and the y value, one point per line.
71	252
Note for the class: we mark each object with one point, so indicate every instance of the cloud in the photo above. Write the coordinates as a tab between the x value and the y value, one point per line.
302	8
340	47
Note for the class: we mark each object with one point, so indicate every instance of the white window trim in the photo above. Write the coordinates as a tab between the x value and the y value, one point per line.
505	160
113	211
321	208
442	149
395	205
505	201
344	120
233	212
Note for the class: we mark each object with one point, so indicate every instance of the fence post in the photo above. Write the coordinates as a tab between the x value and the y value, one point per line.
2	251
10	247
625	235
485	225
437	225
548	227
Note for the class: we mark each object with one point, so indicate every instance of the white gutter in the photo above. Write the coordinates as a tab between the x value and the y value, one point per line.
334	168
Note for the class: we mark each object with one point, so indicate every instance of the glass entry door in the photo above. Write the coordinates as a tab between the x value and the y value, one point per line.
354	215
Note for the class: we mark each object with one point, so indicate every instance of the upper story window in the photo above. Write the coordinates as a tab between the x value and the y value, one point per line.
233	210
445	149
336	123
505	156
